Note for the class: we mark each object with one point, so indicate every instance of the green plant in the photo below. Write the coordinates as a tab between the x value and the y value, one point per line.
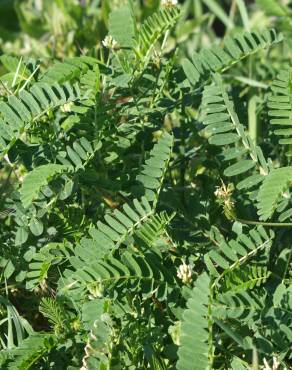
145	205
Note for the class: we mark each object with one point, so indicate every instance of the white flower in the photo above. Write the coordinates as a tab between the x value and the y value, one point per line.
109	42
169	3
185	273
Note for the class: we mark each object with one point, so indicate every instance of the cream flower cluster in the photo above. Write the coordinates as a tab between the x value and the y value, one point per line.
109	42
185	273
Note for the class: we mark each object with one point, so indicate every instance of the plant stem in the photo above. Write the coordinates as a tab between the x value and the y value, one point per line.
272	224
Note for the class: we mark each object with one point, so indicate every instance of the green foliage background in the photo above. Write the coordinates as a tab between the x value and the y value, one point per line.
145	172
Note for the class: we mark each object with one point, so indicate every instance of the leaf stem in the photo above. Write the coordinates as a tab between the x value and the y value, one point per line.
271	224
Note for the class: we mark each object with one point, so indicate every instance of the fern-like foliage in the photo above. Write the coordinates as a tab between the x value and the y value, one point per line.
38	271
152	229
71	69
140	41
30	351
120	224
36	179
18	113
227	256
224	129
195	352
78	155
97	277
40	262
240	305
110	235
108	203
235	48
272	191
281	107
136	218
153	171
246	277
246	307
152	29
55	313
